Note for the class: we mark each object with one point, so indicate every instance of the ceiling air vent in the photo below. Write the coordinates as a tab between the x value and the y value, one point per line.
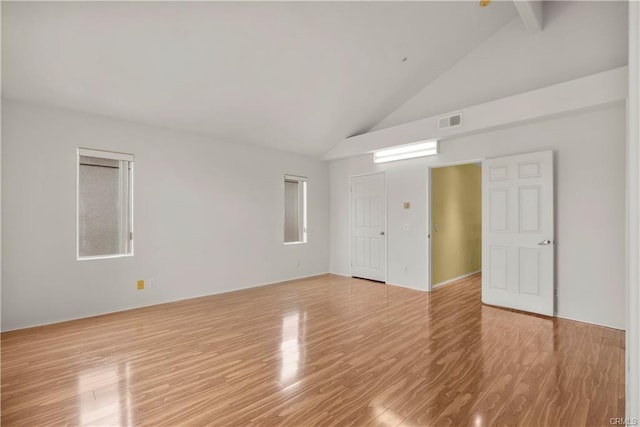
451	121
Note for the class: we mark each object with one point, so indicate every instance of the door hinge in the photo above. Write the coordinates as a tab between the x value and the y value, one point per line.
131	235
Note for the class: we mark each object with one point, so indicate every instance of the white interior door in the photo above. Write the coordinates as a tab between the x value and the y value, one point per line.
518	232
368	227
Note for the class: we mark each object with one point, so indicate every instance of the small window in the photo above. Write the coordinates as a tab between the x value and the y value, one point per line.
295	209
105	202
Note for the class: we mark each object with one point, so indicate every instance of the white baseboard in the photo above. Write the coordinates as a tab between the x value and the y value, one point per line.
589	322
448	282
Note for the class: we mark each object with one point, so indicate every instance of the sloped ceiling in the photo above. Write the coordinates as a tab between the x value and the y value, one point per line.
580	38
298	77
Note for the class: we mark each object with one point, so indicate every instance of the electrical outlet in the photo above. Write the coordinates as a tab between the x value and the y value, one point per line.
140	285
151	283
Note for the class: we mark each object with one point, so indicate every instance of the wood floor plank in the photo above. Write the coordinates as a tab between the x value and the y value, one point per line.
621	374
328	350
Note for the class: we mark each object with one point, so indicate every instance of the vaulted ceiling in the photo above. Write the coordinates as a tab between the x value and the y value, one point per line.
294	76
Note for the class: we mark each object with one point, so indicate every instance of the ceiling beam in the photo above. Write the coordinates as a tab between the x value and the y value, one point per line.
531	13
607	87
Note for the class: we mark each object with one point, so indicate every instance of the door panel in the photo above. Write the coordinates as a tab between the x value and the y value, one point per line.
368	222
499	210
360	252
518	232
528	268
529	209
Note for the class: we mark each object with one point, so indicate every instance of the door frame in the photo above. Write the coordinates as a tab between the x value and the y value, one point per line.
438	165
386	219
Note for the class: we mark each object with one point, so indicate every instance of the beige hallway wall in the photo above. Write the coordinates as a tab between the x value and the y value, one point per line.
457	210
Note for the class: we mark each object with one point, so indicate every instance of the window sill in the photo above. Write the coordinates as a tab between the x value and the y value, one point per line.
89	258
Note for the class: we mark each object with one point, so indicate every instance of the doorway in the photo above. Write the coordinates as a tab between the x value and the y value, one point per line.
516	231
455	222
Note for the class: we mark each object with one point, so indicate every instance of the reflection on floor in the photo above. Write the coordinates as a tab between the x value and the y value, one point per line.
330	350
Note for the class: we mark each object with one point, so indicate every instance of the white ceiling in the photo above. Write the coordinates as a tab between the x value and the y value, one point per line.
297	77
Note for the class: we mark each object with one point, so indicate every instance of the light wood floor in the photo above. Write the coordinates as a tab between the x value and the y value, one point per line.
330	350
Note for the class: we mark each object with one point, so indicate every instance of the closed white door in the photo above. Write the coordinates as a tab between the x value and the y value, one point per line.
518	232
368	227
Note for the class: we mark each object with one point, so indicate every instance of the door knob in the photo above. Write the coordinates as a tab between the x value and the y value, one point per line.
382	233
545	243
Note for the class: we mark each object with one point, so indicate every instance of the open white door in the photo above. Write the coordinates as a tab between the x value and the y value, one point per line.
368	226
518	232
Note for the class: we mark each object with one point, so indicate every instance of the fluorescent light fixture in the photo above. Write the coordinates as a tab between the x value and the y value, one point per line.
408	151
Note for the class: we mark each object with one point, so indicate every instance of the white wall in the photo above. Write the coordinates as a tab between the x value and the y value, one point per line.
406	182
208	217
633	219
590	219
579	38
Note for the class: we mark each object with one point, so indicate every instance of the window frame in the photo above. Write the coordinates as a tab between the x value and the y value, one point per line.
127	215
302	209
